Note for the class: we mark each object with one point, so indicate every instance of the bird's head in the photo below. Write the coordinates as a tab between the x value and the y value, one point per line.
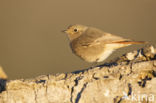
74	31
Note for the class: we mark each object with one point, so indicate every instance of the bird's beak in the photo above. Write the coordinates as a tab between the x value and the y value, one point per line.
64	31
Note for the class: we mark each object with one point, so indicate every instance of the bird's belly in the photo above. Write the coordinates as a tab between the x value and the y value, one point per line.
104	55
92	54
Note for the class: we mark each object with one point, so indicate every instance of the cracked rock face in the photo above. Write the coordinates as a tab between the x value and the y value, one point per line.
129	79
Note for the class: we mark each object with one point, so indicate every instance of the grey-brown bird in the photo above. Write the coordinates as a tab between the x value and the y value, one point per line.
94	45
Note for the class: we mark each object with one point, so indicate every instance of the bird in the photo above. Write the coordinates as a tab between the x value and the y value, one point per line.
94	45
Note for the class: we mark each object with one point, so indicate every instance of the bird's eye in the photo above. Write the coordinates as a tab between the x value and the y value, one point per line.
75	30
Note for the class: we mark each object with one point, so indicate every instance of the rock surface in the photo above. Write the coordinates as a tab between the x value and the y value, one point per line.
129	79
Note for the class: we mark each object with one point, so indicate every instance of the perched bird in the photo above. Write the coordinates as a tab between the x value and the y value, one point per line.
94	45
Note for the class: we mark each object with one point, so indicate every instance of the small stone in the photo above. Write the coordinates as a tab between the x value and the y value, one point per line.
130	56
154	63
149	51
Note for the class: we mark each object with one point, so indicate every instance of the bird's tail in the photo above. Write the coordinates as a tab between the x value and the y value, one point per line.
131	42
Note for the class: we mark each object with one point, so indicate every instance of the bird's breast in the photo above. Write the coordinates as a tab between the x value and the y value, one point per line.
86	52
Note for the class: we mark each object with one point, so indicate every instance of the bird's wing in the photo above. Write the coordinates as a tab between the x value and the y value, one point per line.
95	36
110	38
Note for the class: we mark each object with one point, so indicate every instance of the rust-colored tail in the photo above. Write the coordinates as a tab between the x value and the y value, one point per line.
131	42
